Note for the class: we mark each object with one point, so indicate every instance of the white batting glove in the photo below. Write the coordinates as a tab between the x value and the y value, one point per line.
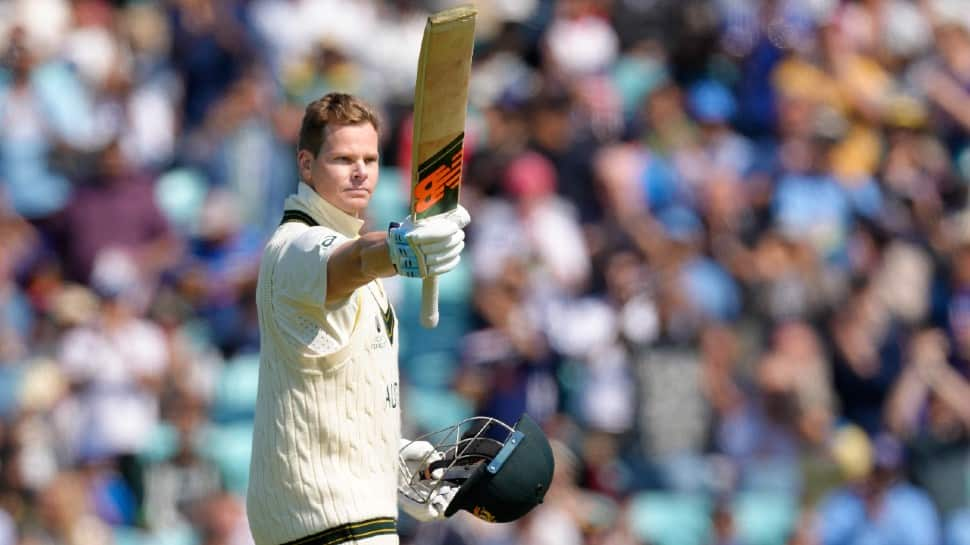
419	493
429	248
415	457
433	509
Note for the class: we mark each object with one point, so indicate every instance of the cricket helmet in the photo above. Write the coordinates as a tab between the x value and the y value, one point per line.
501	471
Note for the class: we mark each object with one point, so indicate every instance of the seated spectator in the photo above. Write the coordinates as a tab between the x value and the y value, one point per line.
177	485
218	274
114	210
867	357
116	365
877	506
43	107
929	410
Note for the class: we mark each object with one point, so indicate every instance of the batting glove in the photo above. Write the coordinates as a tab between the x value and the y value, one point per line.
432	509
420	494
415	457
430	247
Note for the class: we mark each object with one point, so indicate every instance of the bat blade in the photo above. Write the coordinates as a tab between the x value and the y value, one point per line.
440	105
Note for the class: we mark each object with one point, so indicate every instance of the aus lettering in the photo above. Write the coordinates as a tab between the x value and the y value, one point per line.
392	395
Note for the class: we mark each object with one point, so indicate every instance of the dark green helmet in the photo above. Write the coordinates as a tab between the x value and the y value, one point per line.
501	472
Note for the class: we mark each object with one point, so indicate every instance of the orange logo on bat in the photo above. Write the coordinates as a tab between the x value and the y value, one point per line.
431	188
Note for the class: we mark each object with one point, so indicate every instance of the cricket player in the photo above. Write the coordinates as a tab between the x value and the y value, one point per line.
328	427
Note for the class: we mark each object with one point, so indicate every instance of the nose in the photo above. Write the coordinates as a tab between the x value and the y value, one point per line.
359	172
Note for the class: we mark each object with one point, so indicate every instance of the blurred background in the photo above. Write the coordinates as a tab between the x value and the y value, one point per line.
720	249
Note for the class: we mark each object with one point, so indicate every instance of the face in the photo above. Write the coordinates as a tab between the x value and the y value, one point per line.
345	170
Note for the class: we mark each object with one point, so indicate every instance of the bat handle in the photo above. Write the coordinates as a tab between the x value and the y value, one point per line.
429	302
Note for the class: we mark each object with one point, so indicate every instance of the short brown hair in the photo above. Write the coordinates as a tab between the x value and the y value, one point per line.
333	109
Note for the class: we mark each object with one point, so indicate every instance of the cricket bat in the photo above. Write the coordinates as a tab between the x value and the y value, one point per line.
440	104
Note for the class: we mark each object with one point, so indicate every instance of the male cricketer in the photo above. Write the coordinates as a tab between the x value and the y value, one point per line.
328	428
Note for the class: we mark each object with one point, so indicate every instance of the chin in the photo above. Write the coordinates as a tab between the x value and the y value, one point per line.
355	206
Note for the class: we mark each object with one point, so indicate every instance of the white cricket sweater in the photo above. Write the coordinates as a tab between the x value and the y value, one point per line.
327	422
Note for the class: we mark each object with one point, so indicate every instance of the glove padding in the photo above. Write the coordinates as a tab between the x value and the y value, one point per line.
429	248
415	457
433	509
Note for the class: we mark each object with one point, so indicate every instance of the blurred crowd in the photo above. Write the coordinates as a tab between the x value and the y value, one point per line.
720	249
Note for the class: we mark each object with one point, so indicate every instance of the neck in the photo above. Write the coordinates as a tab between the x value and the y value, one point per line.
354	213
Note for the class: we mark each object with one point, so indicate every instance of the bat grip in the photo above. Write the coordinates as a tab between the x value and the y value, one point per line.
429	302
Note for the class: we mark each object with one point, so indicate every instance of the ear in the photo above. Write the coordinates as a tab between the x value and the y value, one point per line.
304	162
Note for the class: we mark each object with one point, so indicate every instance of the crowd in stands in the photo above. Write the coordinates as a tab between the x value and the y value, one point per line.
720	250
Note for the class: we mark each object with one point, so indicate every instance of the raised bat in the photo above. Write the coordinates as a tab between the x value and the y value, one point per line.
440	104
